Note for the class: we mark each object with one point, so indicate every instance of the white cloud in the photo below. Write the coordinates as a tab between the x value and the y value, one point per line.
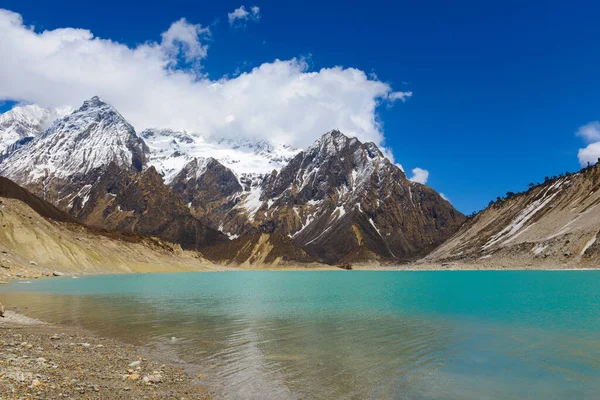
241	15
399	96
590	154
419	175
185	38
590	132
591	135
443	196
282	100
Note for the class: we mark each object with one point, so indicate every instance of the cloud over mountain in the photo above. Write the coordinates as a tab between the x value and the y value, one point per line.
158	84
419	175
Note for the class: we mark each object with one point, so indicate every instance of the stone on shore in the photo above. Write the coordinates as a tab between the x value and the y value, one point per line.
58	273
49	361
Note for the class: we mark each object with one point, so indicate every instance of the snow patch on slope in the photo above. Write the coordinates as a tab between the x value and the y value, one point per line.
511	231
588	245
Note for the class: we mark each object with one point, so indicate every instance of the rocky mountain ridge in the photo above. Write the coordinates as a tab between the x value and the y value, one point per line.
340	199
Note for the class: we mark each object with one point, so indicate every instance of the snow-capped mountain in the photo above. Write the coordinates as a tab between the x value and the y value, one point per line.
25	121
342	198
339	200
61	159
171	150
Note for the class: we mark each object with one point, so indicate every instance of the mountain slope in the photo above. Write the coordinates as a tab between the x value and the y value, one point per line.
35	230
553	224
140	202
10	190
341	195
258	249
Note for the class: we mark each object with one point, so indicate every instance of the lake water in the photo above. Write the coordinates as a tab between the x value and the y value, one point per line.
349	334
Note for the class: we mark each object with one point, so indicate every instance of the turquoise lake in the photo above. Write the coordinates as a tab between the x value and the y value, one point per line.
349	334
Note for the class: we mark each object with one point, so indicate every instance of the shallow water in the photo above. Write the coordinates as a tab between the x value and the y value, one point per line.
350	334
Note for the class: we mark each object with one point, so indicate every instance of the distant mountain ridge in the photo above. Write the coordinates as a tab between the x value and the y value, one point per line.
171	150
340	199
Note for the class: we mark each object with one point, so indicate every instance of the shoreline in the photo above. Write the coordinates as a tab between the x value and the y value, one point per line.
46	360
34	274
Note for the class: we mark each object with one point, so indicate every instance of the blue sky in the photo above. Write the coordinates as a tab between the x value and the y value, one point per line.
499	88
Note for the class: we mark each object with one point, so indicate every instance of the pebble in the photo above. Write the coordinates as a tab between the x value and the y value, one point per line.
133	377
135	363
155	378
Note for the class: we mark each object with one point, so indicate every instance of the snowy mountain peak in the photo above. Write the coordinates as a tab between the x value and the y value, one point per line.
94	102
332	142
93	136
25	121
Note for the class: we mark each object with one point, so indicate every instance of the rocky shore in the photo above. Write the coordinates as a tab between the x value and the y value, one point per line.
46	361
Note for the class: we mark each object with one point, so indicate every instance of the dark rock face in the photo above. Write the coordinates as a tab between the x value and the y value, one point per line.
207	187
141	202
